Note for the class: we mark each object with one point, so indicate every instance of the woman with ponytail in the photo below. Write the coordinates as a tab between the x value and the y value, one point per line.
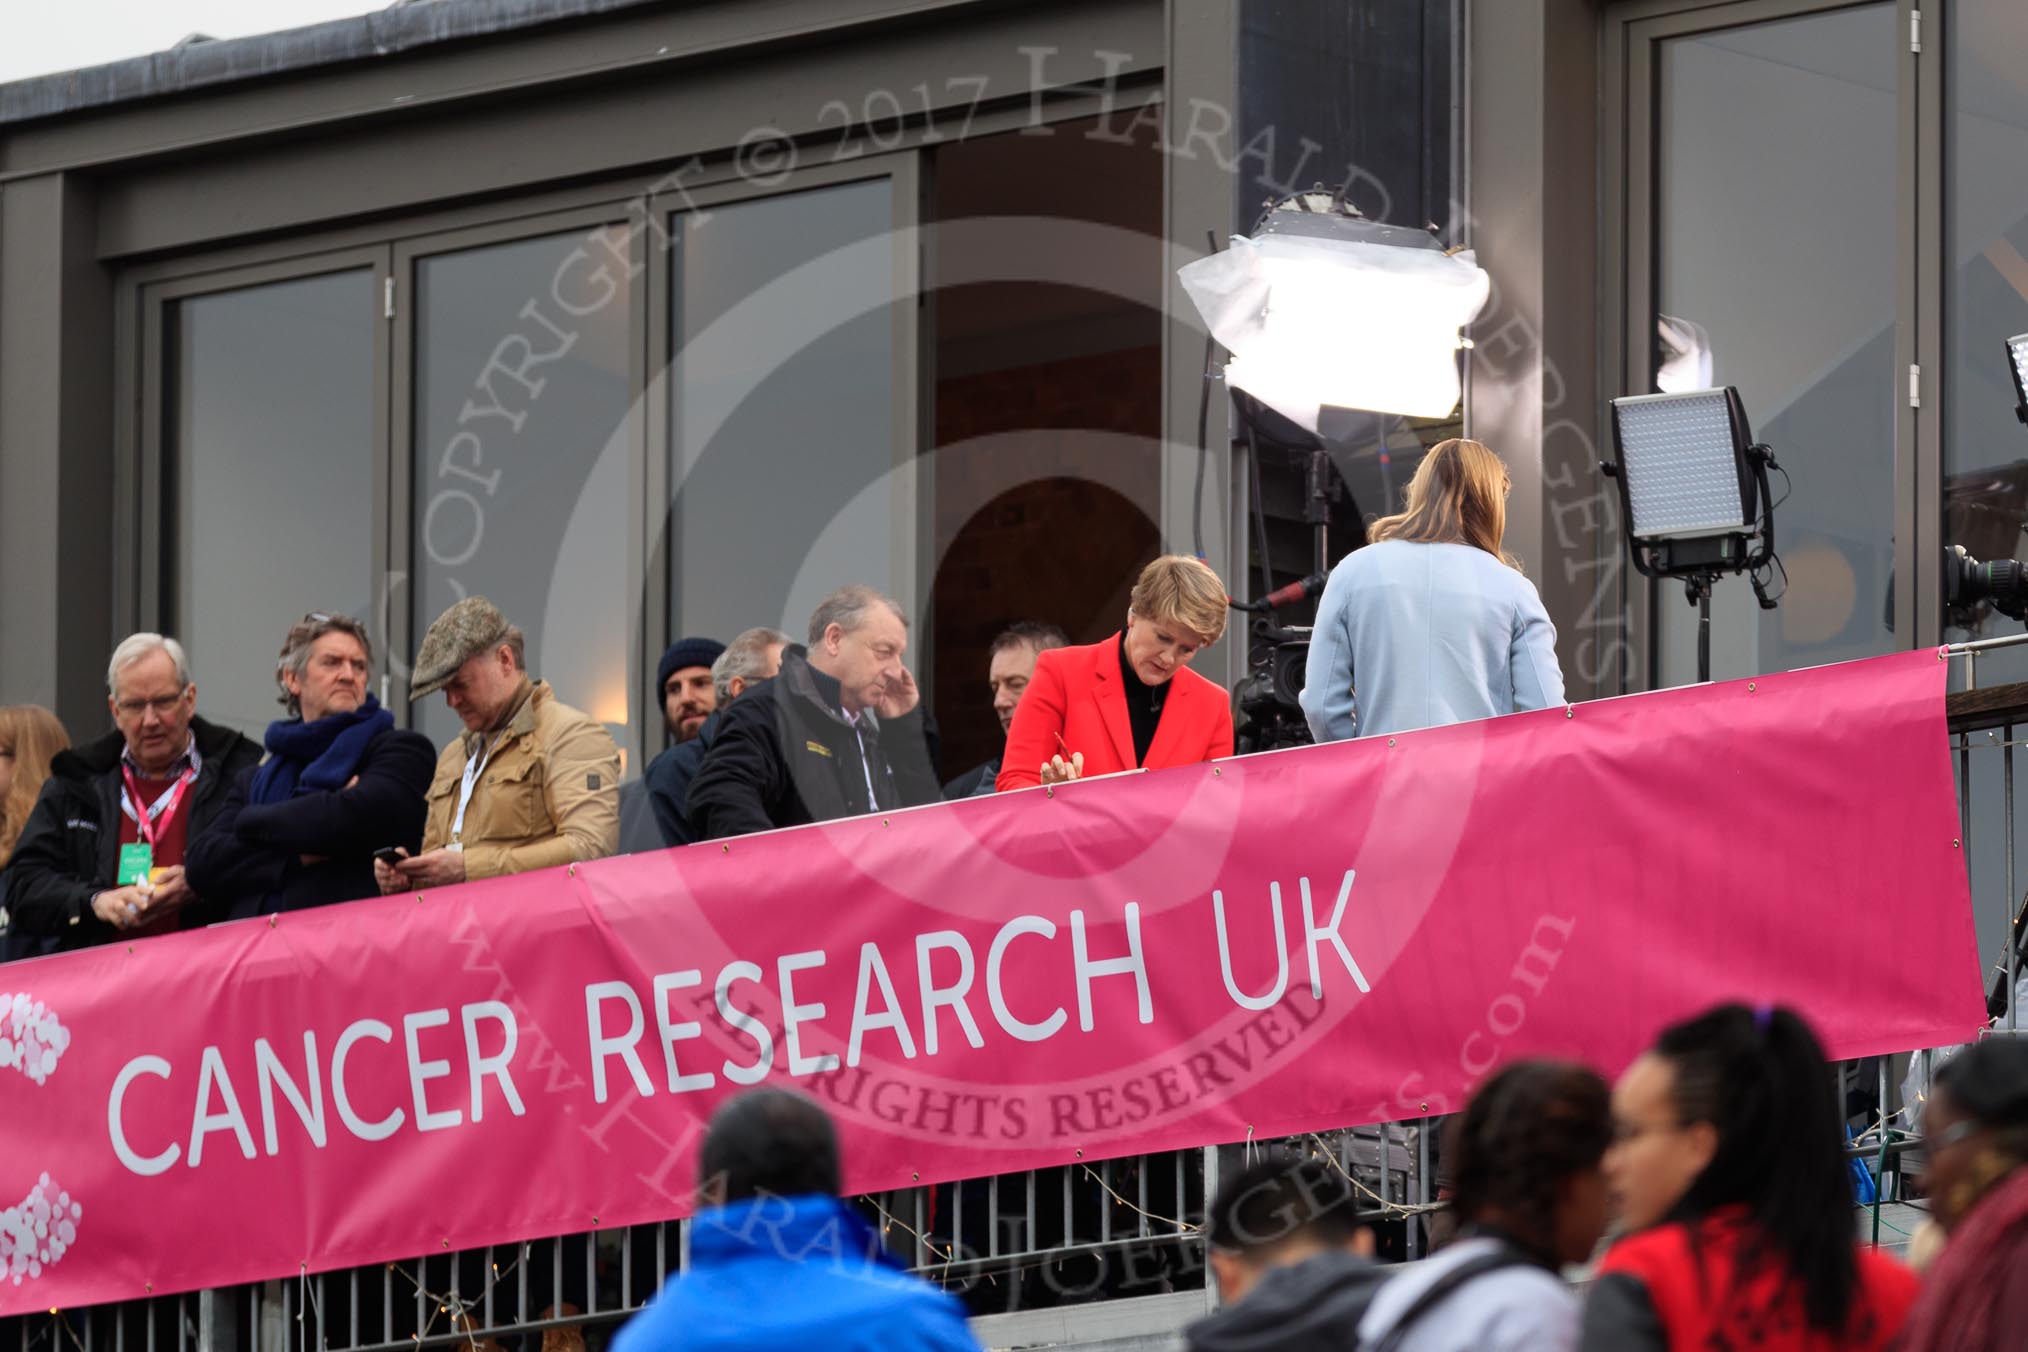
1976	1298
1729	1169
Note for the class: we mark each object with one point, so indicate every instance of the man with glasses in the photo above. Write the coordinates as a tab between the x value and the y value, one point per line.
340	782
836	733
102	854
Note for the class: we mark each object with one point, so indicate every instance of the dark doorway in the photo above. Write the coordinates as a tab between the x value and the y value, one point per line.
1047	401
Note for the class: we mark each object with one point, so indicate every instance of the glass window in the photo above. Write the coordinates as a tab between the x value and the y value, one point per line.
1985	447
271	432
782	421
1775	251
522	407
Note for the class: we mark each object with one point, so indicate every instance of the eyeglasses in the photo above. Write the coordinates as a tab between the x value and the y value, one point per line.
161	704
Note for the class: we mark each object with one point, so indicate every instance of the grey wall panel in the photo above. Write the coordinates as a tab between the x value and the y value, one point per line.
1534	395
620	125
56	503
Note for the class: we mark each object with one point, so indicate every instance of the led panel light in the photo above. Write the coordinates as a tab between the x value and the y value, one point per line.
2017	352
1684	461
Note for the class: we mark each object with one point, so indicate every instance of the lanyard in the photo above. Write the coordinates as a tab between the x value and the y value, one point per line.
163	807
473	769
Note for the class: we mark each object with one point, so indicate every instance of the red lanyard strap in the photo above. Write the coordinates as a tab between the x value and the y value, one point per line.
163	807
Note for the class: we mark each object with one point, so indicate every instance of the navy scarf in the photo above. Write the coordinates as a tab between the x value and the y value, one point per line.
316	757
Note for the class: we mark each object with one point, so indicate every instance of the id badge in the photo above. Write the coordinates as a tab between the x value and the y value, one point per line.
137	861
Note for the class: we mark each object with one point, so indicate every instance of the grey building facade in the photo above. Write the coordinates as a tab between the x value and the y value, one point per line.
657	317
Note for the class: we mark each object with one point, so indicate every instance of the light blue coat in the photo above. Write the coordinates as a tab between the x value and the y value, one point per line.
1429	634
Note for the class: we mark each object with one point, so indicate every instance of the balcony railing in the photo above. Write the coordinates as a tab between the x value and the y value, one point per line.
1044	1256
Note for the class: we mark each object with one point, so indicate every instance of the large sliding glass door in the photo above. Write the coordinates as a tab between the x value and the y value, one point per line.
789	397
1774	265
270	449
387	430
517	388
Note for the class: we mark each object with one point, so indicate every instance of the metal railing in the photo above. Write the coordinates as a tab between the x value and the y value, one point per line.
1044	1238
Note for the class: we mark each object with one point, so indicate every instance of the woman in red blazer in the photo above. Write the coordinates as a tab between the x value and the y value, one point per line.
1131	701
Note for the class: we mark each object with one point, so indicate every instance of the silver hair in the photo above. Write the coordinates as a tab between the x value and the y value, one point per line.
744	657
134	647
847	609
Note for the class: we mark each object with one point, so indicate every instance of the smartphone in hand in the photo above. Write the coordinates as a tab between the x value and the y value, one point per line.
389	855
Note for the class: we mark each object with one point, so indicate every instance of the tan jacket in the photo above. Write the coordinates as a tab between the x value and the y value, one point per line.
549	792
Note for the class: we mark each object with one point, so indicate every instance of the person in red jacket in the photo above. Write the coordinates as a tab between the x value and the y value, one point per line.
1729	1169
1976	1121
1130	702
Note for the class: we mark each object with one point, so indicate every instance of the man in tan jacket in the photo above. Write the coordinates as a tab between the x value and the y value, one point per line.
531	783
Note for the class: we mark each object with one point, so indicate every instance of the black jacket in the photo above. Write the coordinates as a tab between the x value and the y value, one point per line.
669	777
249	858
69	849
1311	1306
783	756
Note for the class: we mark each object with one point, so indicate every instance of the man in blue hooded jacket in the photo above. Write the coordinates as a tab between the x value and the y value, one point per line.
779	1260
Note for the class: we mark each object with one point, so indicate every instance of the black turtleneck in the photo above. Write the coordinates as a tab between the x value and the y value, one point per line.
1144	705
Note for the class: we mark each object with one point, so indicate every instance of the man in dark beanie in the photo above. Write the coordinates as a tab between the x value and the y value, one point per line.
684	678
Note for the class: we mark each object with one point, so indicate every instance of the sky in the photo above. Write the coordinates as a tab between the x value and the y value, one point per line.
38	37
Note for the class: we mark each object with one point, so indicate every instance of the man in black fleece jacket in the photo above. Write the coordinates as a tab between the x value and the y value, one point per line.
1292	1259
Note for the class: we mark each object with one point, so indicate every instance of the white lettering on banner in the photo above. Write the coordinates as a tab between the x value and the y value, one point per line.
1281	985
672	1032
864	1021
794	1016
215	1106
616	1023
268	1069
365	1131
602	1047
144	1165
746	1023
995	955
935	997
495	1065
420	1070
211	1075
1329	933
1134	965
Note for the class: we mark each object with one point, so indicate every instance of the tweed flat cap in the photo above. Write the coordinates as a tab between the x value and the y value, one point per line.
472	626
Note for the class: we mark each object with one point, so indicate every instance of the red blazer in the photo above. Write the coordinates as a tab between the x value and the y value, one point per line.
1076	693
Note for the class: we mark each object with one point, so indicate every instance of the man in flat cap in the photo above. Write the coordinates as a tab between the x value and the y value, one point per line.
531	783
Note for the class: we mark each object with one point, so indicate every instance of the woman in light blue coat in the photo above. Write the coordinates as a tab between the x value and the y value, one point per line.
1432	622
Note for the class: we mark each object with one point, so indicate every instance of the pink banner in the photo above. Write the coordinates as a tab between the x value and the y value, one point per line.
1282	943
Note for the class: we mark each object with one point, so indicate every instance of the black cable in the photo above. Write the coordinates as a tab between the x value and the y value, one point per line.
1764	576
1788	484
1203	452
1267	577
1203	433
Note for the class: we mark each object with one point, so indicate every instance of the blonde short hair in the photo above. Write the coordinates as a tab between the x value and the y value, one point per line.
1179	589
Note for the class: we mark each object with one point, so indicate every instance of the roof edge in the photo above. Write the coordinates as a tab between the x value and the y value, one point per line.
193	66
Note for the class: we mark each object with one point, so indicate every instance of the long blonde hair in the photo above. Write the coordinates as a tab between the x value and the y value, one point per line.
34	735
1457	497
